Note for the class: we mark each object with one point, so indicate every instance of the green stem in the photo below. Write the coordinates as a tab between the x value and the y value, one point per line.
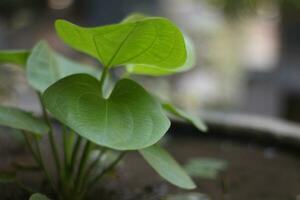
38	158
82	164
107	169
75	153
90	169
103	78
51	137
68	142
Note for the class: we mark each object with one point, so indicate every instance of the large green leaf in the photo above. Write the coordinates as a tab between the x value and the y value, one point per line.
19	119
152	41
38	196
167	167
129	119
153	70
18	57
44	67
196	121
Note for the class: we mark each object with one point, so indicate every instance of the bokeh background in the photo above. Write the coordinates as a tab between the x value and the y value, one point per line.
247	50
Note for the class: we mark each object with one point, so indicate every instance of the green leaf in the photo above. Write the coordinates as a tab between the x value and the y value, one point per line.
18	57
19	119
167	167
7	177
153	70
129	119
44	67
196	121
38	196
205	167
151	41
188	196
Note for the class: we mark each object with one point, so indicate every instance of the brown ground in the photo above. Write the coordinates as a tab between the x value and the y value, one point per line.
256	172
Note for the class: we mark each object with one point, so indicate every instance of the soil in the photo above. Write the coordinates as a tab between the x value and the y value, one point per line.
256	171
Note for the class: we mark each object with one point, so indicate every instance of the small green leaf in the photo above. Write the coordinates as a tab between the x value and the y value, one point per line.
196	121
7	177
18	57
152	70
188	196
152	41
44	67
205	167
19	119
38	196
167	167
129	119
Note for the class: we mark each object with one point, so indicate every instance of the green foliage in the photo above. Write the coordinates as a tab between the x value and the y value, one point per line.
18	57
44	67
18	119
38	196
129	119
167	167
205	167
153	70
149	41
185	116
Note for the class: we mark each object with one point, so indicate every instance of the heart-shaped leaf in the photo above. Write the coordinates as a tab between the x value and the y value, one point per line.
19	119
129	119
196	121
153	70
18	57
167	167
44	67
152	41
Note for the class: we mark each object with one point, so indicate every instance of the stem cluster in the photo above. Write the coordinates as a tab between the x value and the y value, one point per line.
73	170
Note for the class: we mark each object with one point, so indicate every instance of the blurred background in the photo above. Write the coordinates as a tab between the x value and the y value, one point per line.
248	51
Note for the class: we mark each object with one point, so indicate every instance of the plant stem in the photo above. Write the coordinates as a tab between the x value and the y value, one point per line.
103	78
68	141
83	161
66	163
107	169
51	137
38	158
74	154
91	168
